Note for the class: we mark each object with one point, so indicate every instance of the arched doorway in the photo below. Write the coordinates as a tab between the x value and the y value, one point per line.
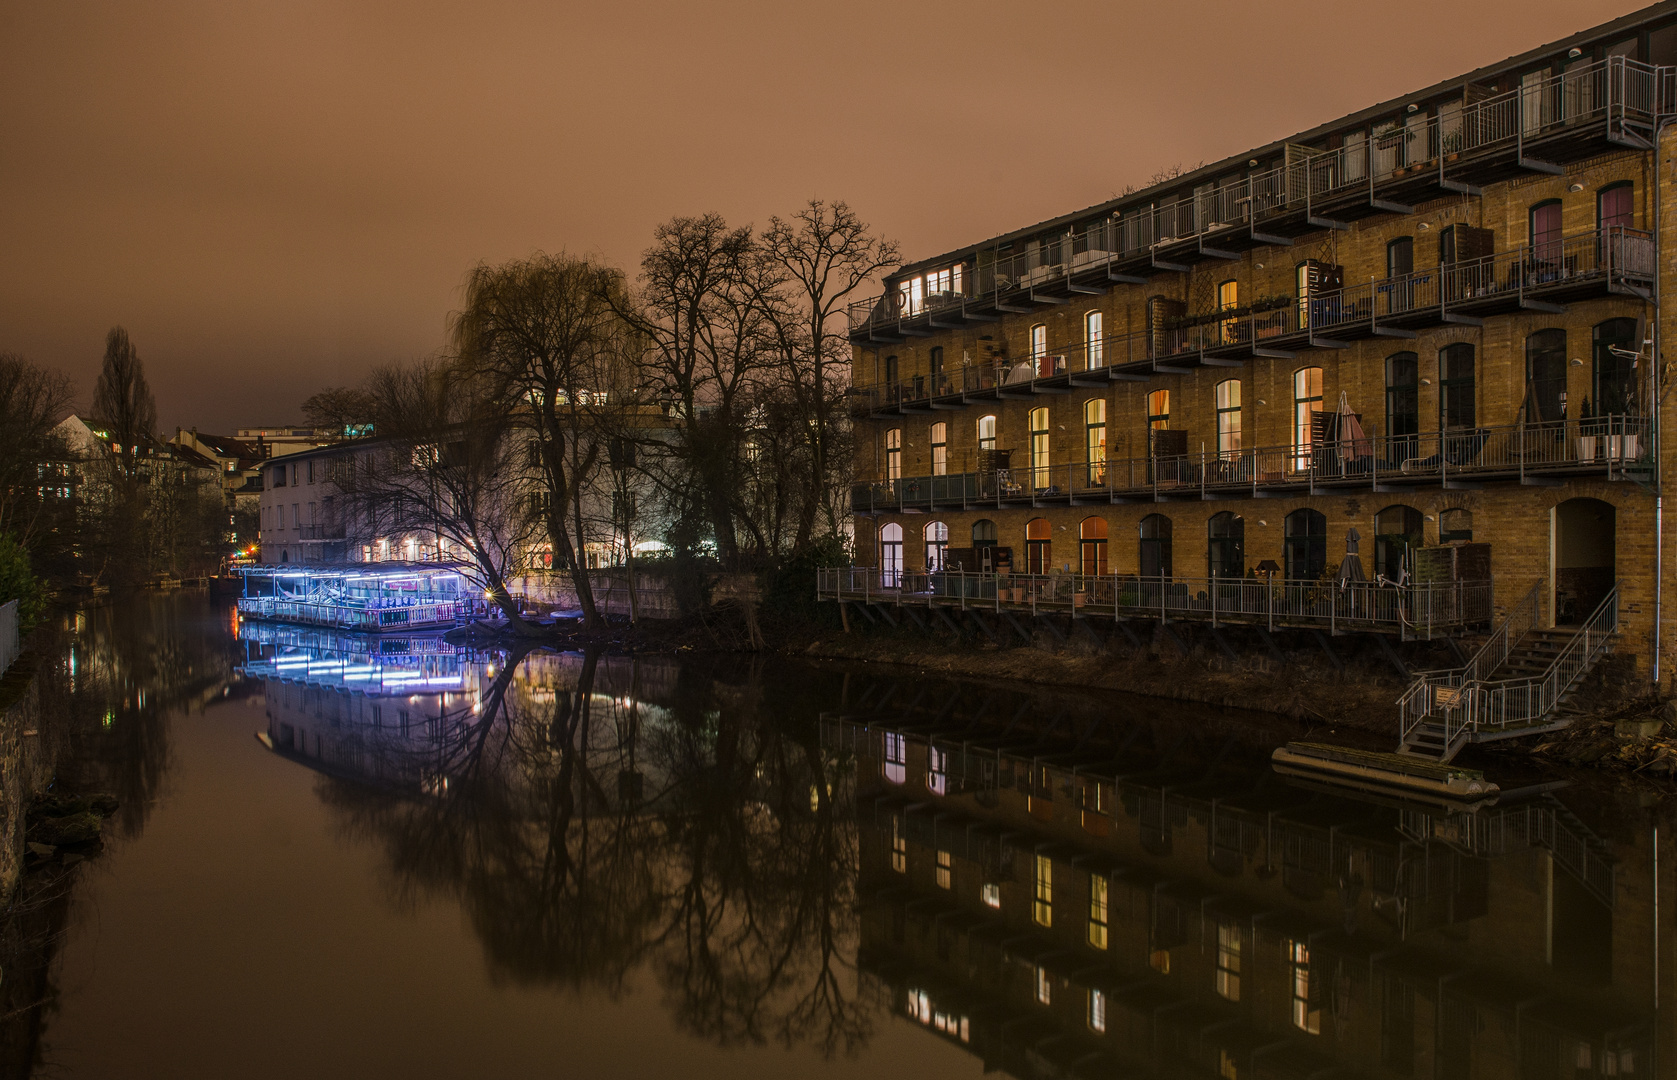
1039	546
984	541
1397	532
1155	546
1225	545
890	555
937	544
1091	538
1584	543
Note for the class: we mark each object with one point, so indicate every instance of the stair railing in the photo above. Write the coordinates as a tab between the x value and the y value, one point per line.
1512	702
1424	699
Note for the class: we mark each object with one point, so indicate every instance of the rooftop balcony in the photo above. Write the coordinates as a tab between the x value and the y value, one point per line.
1533	277
1613	103
1538	454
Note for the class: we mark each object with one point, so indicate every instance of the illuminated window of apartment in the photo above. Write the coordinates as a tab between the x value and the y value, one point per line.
1227	1069
1228	961
1044	987
937	774
894	454
1039	345
986	433
899	845
945	869
990	894
1098	886
1307	402
896	758
1042	910
1159	960
1097	1011
1307	1016
911	296
1094	440
1039	447
1228	298
1093	346
937	544
940	449
1228	418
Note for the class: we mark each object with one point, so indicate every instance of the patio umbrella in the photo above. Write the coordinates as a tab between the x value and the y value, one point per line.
1351	567
1353	440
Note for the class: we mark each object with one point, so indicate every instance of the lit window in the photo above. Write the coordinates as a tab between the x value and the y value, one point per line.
1226	1067
1307	402
1307	1016
1094	440
1039	344
937	772
1228	419
1097	911
1228	961
1093	345
940	449
1097	1011
1159	960
1042	910
899	846
991	895
945	864
896	757
1039	447
894	454
986	434
1044	987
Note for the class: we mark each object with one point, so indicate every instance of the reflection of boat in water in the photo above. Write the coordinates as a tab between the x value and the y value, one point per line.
369	597
368	664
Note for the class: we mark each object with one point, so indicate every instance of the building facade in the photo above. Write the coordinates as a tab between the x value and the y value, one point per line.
1426	326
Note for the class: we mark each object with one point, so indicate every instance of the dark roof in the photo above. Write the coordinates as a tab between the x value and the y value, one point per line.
1606	33
226	445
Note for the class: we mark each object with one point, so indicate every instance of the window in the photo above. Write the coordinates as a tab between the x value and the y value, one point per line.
899	845
1307	1014
890	554
896	757
1400	257
1545	400
945	869
1039	448
1155	546
983	533
1403	403
1097	1011
1094	348
935	367
1039	349
1094	440
1158	410
1305	545
986	434
937	545
1228	298
1039	545
1307	402
940	449
1225	547
1044	987
1546	233
311	470
279	476
891	373
911	296
1097	911
990	895
1455	525
1613	207
1228	961
1091	546
894	454
1455	387
1042	906
1228	419
1613	346
937	771
1397	532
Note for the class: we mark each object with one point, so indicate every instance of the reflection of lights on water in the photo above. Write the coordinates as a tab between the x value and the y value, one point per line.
110	718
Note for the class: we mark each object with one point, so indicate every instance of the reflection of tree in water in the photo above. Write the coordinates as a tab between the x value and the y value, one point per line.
587	831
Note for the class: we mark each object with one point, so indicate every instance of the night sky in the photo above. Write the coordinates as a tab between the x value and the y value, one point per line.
275	197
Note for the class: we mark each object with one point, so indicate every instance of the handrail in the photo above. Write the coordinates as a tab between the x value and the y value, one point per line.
1626	94
1420	700
1510	702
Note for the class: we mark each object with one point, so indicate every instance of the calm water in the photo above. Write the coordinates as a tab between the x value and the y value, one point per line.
367	858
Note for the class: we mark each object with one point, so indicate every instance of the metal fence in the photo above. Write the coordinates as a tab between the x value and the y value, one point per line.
1415	610
9	640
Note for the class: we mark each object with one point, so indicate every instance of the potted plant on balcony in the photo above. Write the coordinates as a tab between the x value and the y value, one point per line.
1450	145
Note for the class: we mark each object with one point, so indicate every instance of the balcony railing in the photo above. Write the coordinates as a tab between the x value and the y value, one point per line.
1615	258
1607	446
1623	96
1413	610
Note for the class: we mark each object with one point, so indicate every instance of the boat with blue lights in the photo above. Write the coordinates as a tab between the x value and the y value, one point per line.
371	598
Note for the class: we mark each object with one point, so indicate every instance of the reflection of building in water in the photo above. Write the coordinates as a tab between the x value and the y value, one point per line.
1214	919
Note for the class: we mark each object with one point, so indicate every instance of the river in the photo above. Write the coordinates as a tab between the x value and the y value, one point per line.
354	857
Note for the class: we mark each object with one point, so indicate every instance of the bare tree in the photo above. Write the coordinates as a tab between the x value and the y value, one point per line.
123	404
546	334
32	402
827	254
342	410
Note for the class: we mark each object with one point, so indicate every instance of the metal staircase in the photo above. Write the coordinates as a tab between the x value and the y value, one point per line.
1514	685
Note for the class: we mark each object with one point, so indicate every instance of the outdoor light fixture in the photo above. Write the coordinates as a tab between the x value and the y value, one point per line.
1573	54
1576	187
1253	164
1414	108
1577	362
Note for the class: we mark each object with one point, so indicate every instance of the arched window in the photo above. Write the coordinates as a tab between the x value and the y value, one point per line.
1158	410
986	435
1307	402
1613	345
1228	419
1456	395
1039	546
1455	525
1615	206
1094	345
1094	441
940	449
1397	531
1039	448
983	533
1305	545
1039	351
1091	537
1546	238
894	454
1225	547
1155	546
1228	298
1545	400
937	544
890	554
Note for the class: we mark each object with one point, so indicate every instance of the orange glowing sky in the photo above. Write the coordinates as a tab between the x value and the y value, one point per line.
275	197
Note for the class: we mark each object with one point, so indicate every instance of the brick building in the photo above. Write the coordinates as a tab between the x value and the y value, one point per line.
1421	336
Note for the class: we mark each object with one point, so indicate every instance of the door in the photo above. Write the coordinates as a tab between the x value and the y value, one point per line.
1584	541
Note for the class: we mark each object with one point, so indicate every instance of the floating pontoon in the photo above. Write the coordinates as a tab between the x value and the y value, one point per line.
366	597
